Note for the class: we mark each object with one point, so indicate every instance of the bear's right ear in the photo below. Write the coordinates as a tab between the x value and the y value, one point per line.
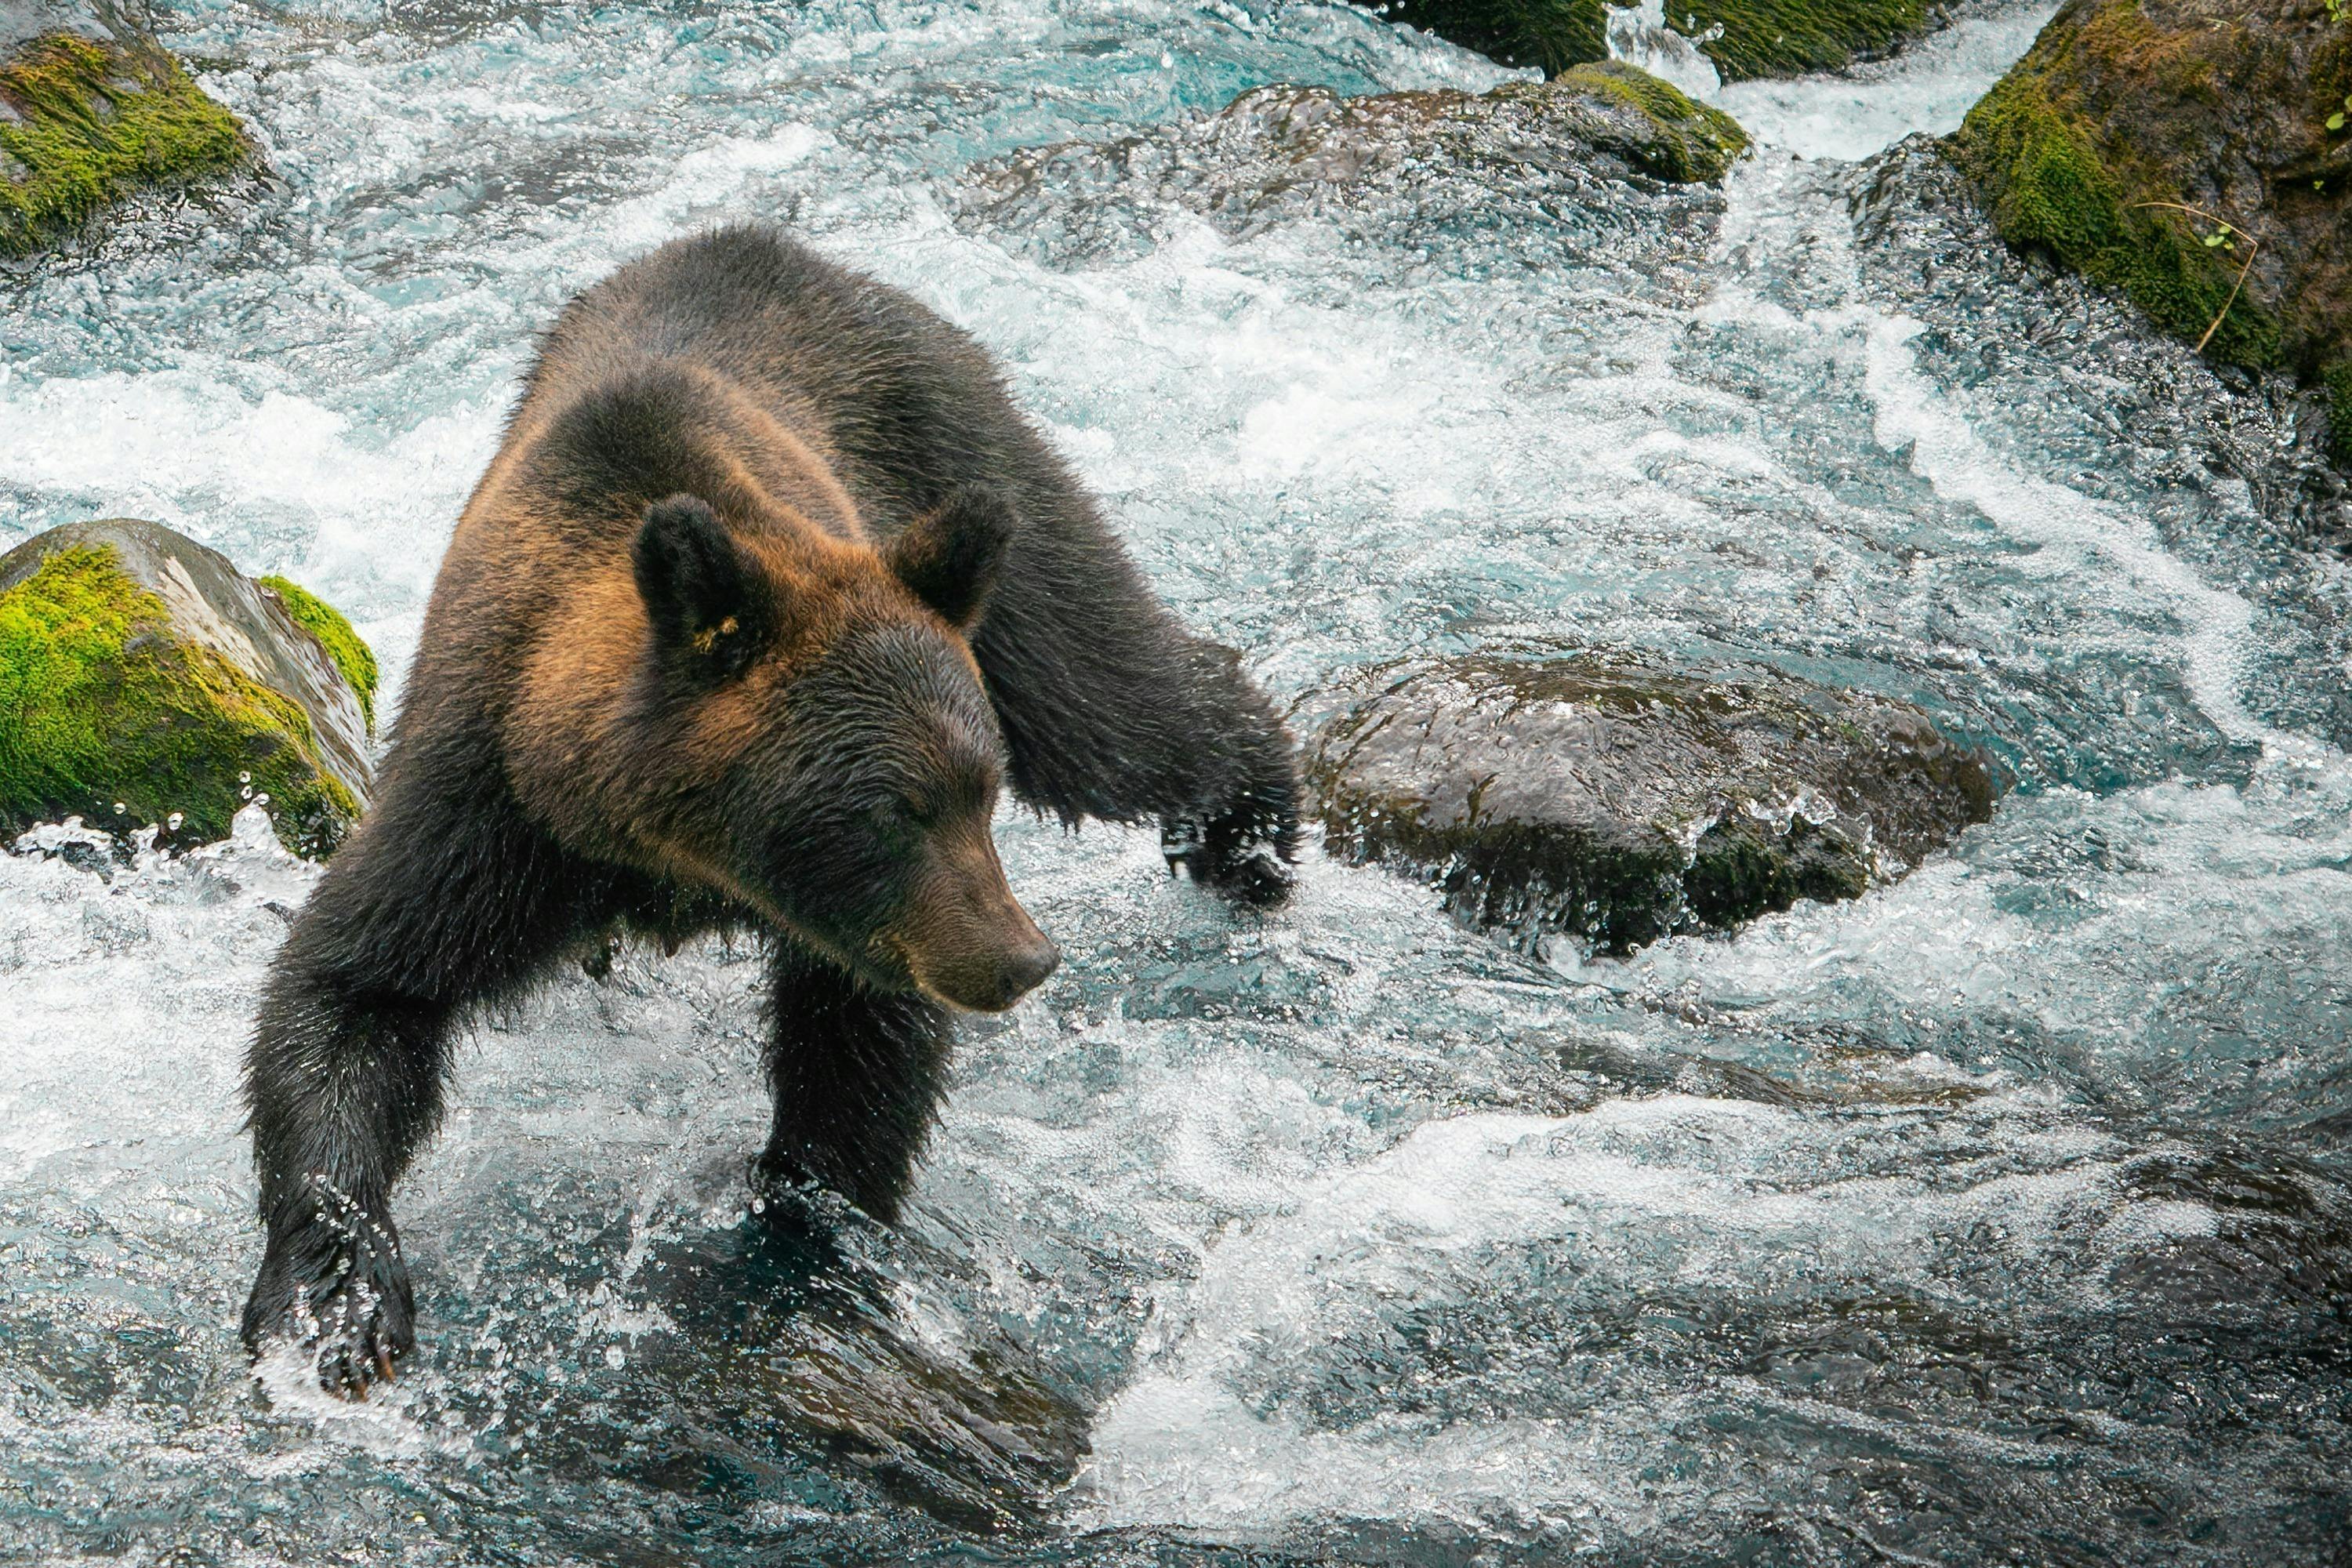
712	606
949	558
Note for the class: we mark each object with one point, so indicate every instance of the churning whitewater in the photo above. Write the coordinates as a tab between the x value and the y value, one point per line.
1999	1215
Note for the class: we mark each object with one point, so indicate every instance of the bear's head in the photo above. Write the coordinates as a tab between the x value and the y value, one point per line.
820	745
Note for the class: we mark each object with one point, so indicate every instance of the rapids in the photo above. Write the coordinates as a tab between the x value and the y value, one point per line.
1999	1217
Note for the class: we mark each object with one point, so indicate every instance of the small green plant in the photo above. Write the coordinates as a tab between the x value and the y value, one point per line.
2224	235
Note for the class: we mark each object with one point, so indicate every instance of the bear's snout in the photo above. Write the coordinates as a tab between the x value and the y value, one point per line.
990	979
1014	974
971	944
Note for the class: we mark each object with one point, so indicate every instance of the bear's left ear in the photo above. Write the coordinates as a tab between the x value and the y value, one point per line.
712	606
949	558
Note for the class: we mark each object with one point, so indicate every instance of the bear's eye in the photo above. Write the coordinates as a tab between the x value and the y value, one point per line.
898	814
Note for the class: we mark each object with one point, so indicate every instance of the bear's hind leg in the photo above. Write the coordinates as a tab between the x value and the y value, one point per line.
857	1075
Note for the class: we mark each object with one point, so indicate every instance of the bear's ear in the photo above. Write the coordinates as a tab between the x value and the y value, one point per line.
948	557
712	606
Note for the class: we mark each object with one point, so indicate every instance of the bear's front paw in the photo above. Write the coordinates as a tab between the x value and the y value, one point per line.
1246	867
337	1289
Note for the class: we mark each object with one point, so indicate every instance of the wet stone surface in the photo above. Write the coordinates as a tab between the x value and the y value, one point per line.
1618	801
1524	168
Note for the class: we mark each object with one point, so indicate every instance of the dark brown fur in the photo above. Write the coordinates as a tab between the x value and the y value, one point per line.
766	588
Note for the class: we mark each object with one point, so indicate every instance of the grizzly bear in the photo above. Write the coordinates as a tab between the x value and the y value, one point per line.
767	591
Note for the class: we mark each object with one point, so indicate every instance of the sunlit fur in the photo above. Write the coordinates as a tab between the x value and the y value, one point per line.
767	591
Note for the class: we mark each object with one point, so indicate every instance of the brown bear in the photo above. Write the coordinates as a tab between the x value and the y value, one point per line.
768	590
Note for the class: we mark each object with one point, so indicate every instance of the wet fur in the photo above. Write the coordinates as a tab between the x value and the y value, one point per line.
535	794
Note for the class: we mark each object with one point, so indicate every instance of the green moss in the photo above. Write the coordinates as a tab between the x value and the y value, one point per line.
2053	189
326	623
1757	38
100	704
1695	140
1550	35
1790	37
2337	379
98	122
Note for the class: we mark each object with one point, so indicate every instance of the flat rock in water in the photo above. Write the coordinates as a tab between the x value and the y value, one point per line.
143	679
1604	165
1605	797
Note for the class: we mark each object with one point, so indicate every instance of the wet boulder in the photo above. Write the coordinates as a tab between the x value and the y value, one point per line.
144	680
92	111
2196	156
1741	38
1605	797
1604	165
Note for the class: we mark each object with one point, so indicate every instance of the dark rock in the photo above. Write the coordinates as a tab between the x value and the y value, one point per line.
144	680
1743	38
2125	112
1606	797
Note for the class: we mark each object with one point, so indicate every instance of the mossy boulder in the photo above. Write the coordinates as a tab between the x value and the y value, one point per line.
92	110
1742	38
1609	798
1652	124
2168	149
144	680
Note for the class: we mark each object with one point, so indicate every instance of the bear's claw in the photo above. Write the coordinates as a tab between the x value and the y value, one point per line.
337	1289
1244	867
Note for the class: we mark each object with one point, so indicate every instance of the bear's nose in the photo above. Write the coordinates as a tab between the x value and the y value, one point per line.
1026	968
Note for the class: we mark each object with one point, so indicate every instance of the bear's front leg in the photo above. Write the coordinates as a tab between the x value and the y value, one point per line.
857	1075
342	1095
445	898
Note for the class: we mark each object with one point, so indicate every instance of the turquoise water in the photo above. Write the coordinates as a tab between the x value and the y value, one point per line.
1999	1217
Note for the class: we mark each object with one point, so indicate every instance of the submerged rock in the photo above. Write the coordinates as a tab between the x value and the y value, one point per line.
144	680
1602	797
2181	151
93	109
1741	38
1605	164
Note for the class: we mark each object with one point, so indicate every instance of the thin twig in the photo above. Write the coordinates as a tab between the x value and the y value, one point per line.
2253	245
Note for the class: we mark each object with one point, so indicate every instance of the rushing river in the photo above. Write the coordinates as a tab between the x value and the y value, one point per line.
1999	1217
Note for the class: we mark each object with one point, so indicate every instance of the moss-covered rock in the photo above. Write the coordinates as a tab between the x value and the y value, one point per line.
1743	38
1609	798
1656	126
89	115
323	621
143	680
2126	112
1792	37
